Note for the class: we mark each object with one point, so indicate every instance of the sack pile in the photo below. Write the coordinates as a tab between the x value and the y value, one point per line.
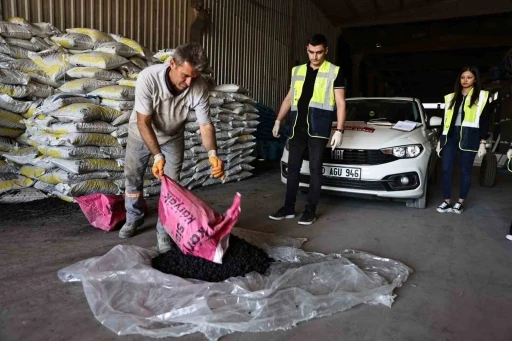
15	187
235	120
82	131
267	146
23	86
65	102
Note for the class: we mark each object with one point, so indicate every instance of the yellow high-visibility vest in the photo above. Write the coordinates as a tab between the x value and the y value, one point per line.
322	103
469	132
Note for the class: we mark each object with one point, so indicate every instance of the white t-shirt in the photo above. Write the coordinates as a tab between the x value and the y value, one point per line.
153	97
458	120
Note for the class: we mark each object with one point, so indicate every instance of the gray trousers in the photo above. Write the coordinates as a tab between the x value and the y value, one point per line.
136	164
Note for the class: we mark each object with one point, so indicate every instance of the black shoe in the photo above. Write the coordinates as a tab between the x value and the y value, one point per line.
308	218
444	207
282	213
458	208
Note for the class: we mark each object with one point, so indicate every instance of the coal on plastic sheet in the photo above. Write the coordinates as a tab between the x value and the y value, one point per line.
240	259
128	296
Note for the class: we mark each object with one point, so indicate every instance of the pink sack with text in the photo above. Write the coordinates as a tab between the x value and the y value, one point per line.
193	225
103	211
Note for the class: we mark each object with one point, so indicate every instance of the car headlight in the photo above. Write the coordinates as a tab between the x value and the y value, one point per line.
404	152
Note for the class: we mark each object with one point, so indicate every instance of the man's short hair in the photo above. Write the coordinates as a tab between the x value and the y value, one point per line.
317	39
192	53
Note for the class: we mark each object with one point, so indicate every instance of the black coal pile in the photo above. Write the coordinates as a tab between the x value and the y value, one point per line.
51	207
240	259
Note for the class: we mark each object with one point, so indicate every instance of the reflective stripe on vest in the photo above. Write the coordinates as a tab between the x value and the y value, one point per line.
323	94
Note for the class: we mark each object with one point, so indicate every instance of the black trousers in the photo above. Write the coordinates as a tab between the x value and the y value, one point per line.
297	145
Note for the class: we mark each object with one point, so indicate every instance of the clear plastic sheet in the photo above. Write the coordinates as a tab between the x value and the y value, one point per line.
128	296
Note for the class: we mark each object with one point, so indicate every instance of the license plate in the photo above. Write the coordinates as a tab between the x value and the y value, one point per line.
342	172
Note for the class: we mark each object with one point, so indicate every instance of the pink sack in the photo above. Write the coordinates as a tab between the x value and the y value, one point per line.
193	225
103	211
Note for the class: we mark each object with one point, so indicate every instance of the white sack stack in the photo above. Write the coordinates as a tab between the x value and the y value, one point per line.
234	118
23	86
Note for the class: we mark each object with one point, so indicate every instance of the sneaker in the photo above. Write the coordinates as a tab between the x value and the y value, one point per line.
444	207
308	218
129	228
458	208
163	242
282	213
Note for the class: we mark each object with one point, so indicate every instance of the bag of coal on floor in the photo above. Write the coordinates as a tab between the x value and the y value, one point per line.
104	211
194	226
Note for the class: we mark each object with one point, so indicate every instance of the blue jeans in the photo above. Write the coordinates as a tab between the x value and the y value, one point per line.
297	146
448	156
135	165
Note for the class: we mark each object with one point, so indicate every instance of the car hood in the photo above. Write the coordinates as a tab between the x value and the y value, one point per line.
376	137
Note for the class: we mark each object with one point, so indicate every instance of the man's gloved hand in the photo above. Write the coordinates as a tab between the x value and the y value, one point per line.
509	153
481	150
438	147
217	165
158	165
275	130
336	139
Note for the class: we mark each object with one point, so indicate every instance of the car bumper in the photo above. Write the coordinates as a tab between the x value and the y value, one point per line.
376	180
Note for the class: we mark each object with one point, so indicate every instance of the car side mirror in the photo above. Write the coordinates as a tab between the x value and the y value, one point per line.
435	121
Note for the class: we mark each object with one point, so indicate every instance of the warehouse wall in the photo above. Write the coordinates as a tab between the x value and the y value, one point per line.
156	24
251	43
310	20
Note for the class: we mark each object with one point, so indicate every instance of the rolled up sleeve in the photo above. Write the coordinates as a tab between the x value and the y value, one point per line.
200	104
143	96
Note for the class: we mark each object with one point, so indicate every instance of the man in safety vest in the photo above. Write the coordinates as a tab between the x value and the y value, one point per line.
317	90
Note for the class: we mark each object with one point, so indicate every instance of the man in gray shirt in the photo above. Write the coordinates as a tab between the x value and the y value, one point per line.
163	96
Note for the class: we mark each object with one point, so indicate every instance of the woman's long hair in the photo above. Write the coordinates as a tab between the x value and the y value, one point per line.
476	86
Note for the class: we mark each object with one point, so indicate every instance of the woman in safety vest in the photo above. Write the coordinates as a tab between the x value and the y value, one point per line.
466	121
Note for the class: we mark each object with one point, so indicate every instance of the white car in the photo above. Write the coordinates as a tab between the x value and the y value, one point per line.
376	159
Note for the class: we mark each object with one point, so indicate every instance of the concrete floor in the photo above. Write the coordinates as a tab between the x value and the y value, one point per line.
461	288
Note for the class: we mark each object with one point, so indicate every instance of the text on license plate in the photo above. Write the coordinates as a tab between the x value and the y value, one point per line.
342	172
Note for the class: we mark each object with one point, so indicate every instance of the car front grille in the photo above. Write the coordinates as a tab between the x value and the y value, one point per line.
354	157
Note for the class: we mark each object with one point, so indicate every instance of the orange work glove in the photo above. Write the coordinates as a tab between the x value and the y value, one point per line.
217	165
158	165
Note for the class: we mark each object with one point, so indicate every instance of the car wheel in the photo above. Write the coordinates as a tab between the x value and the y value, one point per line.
421	202
488	170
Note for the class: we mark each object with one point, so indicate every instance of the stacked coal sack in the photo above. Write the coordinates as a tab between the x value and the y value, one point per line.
23	85
77	154
267	146
83	130
89	52
235	120
14	187
240	259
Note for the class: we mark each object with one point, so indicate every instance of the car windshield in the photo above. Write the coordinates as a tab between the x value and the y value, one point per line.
382	110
